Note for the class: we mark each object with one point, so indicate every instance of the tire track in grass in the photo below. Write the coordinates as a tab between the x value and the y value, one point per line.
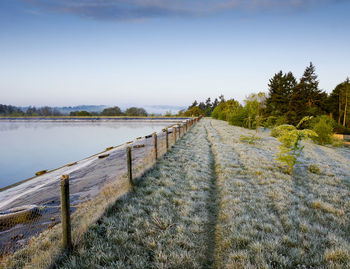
212	207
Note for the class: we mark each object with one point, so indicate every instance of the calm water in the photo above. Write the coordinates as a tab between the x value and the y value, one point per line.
28	147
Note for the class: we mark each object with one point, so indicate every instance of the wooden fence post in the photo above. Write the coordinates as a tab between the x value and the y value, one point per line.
155	146
65	210
179	130
183	129
129	164
166	139
174	131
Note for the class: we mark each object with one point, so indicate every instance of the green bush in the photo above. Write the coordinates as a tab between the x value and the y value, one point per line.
291	148
215	113
270	122
273	121
194	112
336	142
281	120
225	109
238	117
280	130
323	126
313	168
249	139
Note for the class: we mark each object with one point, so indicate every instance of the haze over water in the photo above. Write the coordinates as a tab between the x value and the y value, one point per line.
28	147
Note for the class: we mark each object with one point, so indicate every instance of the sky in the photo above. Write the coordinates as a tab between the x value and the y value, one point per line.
164	52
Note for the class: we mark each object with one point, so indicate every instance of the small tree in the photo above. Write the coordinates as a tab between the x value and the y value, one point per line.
291	148
254	104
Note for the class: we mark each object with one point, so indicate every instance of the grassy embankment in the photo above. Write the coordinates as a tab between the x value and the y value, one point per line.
165	222
214	201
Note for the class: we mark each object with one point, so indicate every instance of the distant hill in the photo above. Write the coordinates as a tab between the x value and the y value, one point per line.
88	108
67	109
151	109
162	109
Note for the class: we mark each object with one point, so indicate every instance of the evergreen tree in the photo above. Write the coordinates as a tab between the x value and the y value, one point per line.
194	104
281	87
309	86
202	106
296	109
307	99
208	107
215	104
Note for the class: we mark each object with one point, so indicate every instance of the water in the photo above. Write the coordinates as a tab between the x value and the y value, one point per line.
28	147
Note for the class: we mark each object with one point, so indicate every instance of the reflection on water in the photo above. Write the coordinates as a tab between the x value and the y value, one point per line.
27	147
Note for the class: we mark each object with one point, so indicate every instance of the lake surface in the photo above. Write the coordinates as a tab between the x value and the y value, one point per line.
28	147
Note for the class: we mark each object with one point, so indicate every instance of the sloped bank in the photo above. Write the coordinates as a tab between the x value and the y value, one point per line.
90	178
164	222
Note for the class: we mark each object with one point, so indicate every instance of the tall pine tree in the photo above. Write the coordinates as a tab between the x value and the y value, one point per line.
308	85
307	99
281	87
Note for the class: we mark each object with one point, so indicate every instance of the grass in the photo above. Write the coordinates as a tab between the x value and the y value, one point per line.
215	201
45	250
268	219
165	222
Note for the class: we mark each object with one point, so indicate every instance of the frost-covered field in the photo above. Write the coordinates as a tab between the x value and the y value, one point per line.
165	222
216	202
268	219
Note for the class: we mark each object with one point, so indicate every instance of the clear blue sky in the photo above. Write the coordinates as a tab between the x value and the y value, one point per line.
60	52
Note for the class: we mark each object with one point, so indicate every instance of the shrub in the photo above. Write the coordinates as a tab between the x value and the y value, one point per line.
270	122
194	112
280	130
313	168
225	109
291	147
273	121
249	139
336	142
281	120
215	113
238	117
323	126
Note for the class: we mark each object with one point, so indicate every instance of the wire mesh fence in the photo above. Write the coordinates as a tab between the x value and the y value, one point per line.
33	223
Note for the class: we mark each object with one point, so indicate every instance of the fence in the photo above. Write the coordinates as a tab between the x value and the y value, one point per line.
64	203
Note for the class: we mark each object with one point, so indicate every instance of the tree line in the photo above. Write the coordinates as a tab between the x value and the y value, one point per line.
288	101
13	111
46	111
114	111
